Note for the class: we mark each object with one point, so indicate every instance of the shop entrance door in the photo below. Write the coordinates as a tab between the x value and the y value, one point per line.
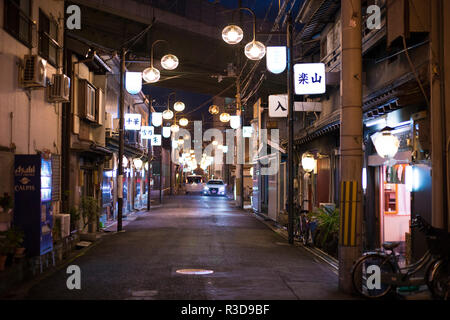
395	205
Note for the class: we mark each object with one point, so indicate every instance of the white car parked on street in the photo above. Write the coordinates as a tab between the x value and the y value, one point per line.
194	183
215	188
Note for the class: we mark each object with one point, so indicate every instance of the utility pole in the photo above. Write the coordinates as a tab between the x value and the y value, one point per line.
240	141
121	140
150	157
290	93
350	141
439	115
160	174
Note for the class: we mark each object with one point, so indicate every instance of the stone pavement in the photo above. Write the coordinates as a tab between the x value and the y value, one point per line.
249	260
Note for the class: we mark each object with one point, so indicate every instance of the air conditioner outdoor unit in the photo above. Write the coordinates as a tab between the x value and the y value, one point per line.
34	72
64	223
109	165
59	91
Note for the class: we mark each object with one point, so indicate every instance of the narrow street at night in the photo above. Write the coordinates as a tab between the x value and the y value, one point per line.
221	158
250	261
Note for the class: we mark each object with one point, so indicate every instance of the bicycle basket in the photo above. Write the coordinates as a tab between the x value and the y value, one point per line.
438	241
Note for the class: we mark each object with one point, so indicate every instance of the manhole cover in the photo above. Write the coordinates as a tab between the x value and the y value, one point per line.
144	293
195	271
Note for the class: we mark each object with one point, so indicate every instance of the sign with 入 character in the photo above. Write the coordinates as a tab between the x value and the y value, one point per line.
147	132
132	121
156	140
278	106
309	78
247	131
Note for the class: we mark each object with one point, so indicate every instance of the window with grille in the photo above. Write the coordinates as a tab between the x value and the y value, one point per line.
48	39
17	20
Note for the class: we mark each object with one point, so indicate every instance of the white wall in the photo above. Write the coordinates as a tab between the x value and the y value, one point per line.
28	122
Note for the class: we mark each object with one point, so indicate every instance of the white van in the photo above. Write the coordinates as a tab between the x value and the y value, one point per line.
194	183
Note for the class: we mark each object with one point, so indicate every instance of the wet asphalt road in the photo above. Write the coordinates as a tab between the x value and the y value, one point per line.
250	261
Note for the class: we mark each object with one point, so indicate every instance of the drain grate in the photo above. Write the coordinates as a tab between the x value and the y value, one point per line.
195	271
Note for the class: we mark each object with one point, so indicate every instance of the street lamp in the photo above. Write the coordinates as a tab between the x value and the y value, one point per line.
137	163
184	122
179	106
254	50
232	34
174	128
308	162
168	114
168	62
214	109
225	117
386	143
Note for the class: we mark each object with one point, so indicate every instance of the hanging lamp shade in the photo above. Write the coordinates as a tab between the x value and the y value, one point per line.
167	114
151	75
255	50
174	128
225	117
232	34
179	106
213	109
184	122
169	62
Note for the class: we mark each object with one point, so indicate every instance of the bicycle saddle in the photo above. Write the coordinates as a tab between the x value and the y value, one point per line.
390	245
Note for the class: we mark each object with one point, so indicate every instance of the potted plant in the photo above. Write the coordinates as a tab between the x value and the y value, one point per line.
327	233
89	212
6	205
5	249
10	243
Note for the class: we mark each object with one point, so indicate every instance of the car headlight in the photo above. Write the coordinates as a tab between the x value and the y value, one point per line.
222	189
205	188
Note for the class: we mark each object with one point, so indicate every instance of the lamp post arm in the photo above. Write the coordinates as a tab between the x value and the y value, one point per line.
151	52
254	20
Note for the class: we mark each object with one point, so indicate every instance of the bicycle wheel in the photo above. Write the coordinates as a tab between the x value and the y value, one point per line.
440	280
364	276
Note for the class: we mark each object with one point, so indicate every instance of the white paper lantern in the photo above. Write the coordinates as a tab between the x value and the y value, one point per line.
166	132
308	162
157	119
235	122
133	82
386	143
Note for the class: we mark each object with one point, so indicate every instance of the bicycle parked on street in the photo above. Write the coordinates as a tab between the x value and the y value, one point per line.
304	226
434	263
